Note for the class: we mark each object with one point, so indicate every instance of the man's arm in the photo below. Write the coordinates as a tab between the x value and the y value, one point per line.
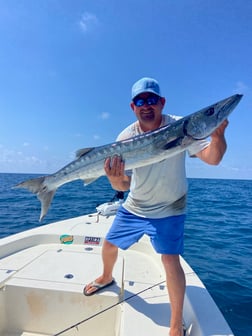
114	169
214	153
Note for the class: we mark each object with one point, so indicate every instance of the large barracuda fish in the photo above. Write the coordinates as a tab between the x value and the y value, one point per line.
138	151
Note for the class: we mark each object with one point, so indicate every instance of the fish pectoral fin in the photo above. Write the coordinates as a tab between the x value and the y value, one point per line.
89	181
83	151
173	143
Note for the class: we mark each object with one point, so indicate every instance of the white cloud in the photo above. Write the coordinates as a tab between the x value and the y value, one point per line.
105	115
241	88
15	161
78	135
96	137
87	21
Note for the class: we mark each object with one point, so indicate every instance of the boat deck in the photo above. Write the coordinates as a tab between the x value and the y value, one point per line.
43	272
48	279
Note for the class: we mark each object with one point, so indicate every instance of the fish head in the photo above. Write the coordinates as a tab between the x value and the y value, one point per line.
201	124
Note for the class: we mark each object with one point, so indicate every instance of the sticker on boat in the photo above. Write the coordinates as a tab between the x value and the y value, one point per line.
92	240
66	239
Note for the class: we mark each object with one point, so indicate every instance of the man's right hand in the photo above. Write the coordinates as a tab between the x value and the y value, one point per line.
114	169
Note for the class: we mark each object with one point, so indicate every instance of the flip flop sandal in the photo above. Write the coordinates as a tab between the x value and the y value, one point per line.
97	287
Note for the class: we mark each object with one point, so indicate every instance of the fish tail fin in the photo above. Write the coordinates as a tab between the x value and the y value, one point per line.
38	187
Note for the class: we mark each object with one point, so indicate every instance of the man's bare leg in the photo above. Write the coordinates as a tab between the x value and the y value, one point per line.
175	279
109	257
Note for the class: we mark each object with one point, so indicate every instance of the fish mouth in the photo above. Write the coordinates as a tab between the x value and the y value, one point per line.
229	106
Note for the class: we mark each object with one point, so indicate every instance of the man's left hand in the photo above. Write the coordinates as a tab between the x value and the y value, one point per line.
219	132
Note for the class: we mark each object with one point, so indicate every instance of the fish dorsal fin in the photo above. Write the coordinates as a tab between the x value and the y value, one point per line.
83	151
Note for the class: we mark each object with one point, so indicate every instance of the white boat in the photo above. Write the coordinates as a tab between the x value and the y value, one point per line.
43	272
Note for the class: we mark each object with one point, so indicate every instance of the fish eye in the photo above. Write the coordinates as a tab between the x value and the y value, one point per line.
209	111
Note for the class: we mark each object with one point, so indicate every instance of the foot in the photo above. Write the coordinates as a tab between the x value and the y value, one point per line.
96	286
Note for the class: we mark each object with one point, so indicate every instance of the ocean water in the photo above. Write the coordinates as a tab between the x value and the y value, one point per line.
218	233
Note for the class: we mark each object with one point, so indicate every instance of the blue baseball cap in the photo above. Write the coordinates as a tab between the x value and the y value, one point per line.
145	84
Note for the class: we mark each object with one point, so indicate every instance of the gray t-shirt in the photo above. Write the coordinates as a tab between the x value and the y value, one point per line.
159	190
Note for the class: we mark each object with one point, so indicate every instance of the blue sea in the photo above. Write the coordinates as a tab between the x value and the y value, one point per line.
218	233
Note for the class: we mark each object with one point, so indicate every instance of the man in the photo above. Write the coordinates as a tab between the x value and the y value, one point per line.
156	202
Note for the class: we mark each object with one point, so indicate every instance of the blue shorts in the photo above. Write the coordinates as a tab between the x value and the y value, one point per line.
166	234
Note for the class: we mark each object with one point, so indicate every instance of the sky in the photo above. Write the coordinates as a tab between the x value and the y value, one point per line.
67	68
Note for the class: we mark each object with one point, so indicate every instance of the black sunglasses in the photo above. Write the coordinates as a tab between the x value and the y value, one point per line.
151	100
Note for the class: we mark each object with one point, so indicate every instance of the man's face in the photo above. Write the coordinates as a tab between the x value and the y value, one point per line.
149	113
